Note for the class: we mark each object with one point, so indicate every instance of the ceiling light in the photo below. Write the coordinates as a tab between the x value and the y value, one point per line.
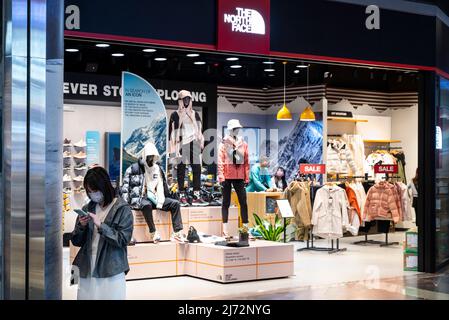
117	54
296	71
232	74
160	59
236	66
102	45
302	66
232	59
149	50
193	55
308	114
271	75
268	62
71	50
199	62
269	70
284	114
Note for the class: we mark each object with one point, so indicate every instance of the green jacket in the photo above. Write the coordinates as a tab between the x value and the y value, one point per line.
259	179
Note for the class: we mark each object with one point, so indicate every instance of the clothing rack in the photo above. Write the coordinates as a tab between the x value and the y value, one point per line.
385	243
332	249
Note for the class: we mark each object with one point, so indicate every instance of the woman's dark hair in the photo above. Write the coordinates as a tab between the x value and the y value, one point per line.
284	181
98	179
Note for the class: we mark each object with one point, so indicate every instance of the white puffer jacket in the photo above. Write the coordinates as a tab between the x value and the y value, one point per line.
339	158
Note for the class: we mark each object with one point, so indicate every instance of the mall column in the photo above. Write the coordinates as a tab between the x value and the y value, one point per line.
32	142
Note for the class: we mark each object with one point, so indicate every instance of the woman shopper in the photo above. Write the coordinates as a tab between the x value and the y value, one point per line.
103	236
278	180
413	193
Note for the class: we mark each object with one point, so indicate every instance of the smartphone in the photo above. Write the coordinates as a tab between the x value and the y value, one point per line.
81	213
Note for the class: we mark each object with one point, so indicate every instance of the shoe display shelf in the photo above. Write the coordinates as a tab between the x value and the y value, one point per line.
204	219
261	260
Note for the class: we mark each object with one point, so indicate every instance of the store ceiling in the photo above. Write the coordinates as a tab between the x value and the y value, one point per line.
85	56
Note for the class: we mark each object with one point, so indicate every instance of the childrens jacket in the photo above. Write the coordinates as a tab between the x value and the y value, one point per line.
233	159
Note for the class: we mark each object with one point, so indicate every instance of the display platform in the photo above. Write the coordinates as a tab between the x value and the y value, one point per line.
205	219
261	260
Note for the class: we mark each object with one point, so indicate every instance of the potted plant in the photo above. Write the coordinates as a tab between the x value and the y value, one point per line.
243	234
270	232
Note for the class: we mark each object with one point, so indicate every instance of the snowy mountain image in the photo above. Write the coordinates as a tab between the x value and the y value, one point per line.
305	141
155	132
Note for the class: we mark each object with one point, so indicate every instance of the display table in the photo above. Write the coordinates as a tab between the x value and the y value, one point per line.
261	260
257	202
203	219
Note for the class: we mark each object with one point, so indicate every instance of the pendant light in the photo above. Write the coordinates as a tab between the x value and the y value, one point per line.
307	114
284	114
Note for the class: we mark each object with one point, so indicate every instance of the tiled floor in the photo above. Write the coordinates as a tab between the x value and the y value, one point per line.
362	272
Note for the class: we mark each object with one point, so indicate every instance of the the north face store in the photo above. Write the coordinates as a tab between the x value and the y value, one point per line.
249	147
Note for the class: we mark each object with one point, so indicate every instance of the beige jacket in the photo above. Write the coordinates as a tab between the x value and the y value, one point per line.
298	194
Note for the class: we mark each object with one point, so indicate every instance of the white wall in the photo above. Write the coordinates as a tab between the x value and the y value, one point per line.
404	127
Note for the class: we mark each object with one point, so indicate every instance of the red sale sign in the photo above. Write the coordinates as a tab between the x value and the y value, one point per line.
244	26
388	169
312	168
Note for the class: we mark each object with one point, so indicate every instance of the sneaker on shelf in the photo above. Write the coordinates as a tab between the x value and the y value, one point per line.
183	200
67	190
198	202
66	178
178	237
155	237
67	142
78	179
80	144
80	190
80	166
80	155
67	154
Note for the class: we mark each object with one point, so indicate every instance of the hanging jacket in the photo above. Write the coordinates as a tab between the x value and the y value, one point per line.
330	214
406	201
233	160
259	179
381	203
361	198
298	195
339	158
355	216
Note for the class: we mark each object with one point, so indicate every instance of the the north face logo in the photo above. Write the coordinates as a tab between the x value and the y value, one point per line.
246	21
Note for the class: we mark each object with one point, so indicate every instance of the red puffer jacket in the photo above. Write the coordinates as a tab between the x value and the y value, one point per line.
226	168
382	202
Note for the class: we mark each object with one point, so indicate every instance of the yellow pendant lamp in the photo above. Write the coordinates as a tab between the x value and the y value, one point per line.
284	114
307	114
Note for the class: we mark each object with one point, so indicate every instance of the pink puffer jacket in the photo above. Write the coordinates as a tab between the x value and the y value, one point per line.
226	168
382	202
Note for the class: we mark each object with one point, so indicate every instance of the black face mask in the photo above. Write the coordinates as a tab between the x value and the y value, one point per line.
186	101
150	161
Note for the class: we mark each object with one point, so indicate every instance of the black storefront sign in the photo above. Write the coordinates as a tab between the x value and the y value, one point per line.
339	114
312	29
94	88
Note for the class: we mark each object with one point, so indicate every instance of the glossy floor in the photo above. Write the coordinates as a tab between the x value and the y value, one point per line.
361	272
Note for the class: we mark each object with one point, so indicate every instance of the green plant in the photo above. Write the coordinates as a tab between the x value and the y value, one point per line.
269	231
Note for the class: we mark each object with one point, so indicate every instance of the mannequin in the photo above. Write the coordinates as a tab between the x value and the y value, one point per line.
186	145
233	171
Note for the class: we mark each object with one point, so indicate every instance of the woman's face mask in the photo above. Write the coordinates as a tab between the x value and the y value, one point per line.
96	196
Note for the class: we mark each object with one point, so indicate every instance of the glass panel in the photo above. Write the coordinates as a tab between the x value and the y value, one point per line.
1	153
442	173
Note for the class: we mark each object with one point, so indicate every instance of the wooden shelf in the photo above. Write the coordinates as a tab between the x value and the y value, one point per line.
382	141
346	119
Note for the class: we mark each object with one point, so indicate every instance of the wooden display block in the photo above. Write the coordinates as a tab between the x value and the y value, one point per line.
262	260
209	220
162	221
152	261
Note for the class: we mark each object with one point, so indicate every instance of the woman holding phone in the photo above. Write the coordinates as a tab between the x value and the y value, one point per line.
103	230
